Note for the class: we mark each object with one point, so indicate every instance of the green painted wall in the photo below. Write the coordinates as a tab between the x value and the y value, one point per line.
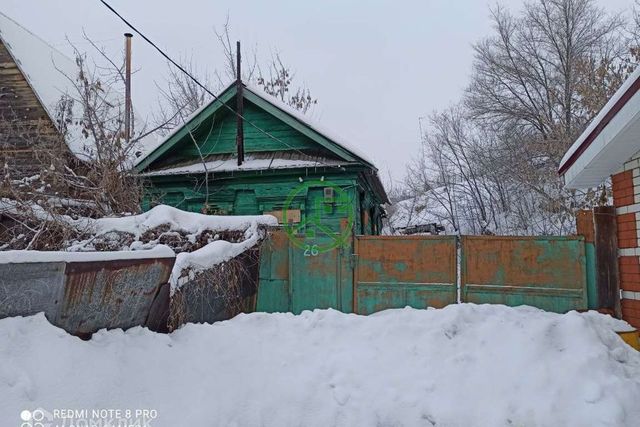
257	193
217	135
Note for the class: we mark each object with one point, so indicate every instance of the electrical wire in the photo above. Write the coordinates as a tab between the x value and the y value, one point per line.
215	97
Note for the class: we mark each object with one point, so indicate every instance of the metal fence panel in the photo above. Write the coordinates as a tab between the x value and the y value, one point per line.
544	272
396	271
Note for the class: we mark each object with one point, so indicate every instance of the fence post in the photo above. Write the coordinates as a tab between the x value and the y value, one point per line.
606	247
459	268
585	228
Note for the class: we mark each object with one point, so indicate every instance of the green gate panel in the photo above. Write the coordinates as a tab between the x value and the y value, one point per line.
294	278
322	280
273	284
399	271
545	272
592	291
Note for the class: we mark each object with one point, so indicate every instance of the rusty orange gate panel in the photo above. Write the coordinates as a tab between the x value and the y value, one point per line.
396	271
544	272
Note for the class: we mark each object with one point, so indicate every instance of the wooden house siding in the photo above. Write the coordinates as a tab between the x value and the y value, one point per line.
23	120
217	135
259	193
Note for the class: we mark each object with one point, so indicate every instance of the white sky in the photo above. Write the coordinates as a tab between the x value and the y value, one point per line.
375	66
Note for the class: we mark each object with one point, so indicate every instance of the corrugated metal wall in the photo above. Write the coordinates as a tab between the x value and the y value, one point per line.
83	297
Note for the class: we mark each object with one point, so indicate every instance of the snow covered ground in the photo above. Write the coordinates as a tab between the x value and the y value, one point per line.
464	365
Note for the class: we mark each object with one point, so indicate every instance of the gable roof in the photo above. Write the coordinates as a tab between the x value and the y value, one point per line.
51	75
43	66
46	70
611	138
283	112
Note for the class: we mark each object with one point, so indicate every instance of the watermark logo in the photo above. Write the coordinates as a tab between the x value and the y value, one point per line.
35	418
64	417
333	206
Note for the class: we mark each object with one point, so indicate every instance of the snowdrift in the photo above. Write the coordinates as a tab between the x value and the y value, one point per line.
464	365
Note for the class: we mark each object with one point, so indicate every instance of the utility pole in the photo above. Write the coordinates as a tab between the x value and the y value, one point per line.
127	85
239	107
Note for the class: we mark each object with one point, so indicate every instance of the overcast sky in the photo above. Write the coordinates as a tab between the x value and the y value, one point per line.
376	67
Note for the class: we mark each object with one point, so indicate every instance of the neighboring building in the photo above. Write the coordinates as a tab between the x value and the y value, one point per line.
610	147
289	164
33	80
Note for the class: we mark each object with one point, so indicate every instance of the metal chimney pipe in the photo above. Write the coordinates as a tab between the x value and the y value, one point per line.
127	85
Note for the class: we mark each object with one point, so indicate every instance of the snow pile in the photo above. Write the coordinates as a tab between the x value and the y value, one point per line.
188	264
464	365
190	222
197	238
200	241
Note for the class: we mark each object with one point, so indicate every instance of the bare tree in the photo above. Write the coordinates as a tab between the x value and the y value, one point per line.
229	71
181	93
277	82
527	74
180	96
85	170
92	118
490	165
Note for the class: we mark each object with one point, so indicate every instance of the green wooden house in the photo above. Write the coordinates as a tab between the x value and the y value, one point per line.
291	169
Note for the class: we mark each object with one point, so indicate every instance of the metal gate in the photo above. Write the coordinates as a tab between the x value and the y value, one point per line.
395	271
294	279
322	280
544	272
379	272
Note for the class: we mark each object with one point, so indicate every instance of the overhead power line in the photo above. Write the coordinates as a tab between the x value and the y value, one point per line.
206	89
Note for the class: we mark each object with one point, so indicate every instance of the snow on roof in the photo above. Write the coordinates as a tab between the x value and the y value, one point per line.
51	75
307	121
412	212
48	71
252	162
608	142
423	209
313	124
24	256
43	66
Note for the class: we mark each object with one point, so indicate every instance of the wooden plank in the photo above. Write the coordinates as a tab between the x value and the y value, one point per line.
584	225
606	246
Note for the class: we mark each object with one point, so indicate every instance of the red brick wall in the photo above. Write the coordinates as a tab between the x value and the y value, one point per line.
626	199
